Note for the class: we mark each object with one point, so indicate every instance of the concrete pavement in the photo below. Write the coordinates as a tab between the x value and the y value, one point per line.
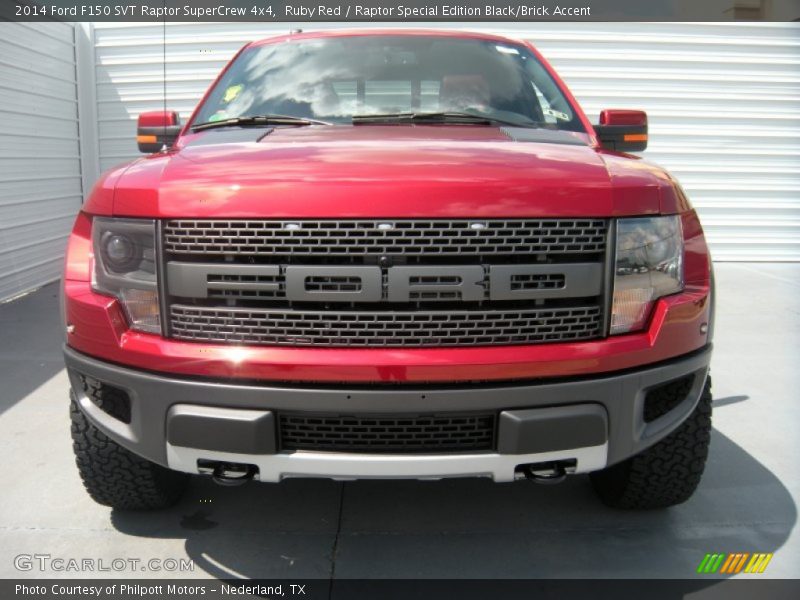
457	528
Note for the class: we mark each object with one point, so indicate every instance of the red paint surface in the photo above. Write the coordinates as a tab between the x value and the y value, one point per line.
432	171
387	171
616	116
674	329
157	118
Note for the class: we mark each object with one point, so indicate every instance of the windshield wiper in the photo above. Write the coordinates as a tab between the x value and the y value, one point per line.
463	118
257	121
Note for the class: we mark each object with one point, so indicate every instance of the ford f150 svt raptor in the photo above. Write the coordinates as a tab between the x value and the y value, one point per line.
386	254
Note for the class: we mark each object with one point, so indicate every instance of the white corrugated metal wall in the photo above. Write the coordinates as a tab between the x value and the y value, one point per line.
40	170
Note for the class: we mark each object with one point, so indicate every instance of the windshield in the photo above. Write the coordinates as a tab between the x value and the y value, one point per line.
333	79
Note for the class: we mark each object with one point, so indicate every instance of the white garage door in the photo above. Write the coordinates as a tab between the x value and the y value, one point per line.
723	101
40	177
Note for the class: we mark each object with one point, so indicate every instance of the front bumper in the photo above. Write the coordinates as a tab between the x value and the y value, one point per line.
100	328
594	421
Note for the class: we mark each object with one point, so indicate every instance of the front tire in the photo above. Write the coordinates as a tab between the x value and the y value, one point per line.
665	474
115	476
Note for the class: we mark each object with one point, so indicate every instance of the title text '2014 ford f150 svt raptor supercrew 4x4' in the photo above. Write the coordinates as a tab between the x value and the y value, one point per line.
389	254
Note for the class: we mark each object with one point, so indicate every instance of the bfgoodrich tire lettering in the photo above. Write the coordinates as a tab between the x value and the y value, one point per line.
665	474
116	477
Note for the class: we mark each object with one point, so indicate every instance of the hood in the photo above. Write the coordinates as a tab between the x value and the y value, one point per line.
397	171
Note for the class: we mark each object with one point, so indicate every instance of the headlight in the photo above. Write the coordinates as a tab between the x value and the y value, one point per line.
120	250
125	267
648	265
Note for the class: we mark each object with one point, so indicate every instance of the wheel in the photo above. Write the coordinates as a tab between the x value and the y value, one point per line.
116	477
665	474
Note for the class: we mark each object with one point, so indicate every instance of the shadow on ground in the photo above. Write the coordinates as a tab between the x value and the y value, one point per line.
30	352
471	528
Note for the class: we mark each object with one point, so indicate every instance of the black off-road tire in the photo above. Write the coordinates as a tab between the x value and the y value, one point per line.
665	474
116	477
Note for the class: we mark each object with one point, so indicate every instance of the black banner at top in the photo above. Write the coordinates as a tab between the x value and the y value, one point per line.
365	11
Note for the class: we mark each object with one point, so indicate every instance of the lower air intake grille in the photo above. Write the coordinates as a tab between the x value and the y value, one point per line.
388	433
663	398
111	400
384	329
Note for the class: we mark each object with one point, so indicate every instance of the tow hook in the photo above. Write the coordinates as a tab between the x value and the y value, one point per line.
228	474
549	473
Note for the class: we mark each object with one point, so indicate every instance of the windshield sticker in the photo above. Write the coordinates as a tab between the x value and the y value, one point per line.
218	116
507	50
232	93
555	113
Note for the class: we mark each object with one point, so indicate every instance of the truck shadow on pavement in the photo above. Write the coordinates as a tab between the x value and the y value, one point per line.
469	528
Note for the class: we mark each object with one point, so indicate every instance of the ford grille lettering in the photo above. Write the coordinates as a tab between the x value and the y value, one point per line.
319	283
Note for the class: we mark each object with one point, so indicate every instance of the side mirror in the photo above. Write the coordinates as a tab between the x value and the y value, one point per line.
157	129
623	130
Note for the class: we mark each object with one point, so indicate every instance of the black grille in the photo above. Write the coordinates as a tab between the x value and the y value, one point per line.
537	282
242	286
386	329
474	237
245	299
388	433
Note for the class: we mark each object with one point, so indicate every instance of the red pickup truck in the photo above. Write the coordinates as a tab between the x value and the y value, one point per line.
389	254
